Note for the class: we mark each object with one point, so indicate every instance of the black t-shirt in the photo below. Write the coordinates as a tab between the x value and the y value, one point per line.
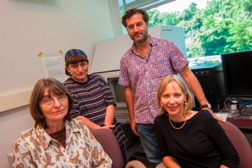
200	143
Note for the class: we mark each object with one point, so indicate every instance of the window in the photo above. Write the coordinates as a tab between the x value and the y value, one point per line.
211	27
144	4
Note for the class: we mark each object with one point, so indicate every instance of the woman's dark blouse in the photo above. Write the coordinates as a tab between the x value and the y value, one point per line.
91	99
200	143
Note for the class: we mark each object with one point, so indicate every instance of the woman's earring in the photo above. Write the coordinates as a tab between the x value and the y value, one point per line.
185	103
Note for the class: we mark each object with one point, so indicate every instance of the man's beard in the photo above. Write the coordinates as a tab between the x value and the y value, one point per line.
145	36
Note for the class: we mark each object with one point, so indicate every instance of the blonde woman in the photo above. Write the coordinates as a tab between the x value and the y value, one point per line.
189	139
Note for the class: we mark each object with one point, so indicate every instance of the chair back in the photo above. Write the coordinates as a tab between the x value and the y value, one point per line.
240	143
110	145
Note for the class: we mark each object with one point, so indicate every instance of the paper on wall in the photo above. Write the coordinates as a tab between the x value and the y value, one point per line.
54	67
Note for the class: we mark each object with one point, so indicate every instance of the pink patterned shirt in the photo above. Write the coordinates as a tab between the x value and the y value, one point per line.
143	75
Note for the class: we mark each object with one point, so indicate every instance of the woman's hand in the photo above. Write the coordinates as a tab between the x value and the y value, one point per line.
109	127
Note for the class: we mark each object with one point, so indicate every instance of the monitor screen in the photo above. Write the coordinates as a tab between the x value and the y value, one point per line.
237	68
118	91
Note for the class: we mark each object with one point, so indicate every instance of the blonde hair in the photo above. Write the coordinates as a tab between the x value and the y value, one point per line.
162	85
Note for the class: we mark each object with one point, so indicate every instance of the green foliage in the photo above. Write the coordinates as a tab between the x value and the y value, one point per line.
157	18
223	26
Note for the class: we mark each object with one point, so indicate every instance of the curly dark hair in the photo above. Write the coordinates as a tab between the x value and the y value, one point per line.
132	12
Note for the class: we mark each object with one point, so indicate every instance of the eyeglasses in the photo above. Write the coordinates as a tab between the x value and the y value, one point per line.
48	101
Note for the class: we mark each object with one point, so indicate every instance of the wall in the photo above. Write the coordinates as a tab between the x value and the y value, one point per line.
28	27
11	124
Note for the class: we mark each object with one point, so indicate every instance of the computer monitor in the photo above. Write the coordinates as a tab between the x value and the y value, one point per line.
237	70
117	90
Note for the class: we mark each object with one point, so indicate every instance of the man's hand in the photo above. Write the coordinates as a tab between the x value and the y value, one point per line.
213	114
133	127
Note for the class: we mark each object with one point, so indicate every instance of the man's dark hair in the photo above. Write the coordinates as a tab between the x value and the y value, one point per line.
132	12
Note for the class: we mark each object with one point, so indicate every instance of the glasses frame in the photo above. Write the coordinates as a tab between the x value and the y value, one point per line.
51	100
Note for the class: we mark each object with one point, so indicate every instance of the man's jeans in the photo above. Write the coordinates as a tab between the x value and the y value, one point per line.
149	143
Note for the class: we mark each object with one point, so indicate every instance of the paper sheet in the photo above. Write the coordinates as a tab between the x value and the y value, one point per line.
54	67
222	115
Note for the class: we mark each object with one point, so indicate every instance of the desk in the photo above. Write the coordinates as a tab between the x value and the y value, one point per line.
245	125
242	124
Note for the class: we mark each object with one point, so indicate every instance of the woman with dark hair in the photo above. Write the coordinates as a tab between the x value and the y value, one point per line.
57	140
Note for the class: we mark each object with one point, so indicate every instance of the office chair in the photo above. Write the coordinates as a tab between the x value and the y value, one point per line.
110	145
240	143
